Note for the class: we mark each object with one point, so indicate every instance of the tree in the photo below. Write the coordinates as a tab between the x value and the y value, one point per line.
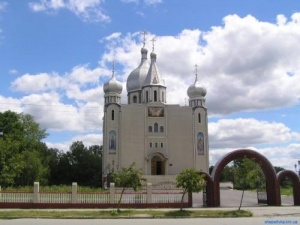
191	181
80	164
128	178
20	148
248	175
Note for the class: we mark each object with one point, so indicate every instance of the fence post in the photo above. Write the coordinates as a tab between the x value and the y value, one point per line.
74	192
36	192
149	193
112	191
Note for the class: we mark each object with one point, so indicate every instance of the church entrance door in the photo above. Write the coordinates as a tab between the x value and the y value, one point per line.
157	166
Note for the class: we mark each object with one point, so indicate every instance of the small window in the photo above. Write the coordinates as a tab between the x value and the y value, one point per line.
112	114
163	96
150	144
161	145
150	128
155	127
161	129
155	96
156	145
199	117
147	96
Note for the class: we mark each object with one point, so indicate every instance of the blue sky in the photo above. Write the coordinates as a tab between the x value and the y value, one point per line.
55	56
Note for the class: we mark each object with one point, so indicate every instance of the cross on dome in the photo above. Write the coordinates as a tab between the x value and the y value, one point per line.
113	67
153	40
196	72
144	33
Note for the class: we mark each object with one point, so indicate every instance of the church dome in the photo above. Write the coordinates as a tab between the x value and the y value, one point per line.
113	86
137	77
196	90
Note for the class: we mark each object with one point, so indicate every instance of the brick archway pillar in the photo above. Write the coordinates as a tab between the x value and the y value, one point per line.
272	185
295	182
209	189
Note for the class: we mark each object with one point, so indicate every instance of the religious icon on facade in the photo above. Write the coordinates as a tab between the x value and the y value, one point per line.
112	142
200	143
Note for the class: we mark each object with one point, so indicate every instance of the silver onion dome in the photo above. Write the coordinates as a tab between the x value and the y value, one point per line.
137	77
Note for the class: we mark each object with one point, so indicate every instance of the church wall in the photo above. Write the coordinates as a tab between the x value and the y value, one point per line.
133	135
180	139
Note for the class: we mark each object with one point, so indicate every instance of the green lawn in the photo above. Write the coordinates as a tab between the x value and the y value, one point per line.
122	214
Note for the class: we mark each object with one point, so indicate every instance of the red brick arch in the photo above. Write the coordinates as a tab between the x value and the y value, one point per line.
209	189
273	192
295	182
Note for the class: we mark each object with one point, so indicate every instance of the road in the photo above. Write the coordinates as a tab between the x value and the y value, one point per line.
197	221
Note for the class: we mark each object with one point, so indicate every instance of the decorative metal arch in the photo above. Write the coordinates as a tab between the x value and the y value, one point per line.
273	192
295	182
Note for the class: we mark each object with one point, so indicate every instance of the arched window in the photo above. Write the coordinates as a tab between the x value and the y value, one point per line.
161	129
155	127
163	96
150	144
112	114
134	99
150	128
161	145
199	117
155	96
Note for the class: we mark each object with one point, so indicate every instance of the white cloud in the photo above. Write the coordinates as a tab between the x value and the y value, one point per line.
10	104
51	113
3	6
153	2
240	133
29	83
88	10
87	139
13	71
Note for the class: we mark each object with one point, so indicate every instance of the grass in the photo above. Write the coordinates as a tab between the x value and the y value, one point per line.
286	190
122	214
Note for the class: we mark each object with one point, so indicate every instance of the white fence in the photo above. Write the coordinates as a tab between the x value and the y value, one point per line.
112	196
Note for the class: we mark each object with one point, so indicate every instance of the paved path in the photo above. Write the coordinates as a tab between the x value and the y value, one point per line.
232	198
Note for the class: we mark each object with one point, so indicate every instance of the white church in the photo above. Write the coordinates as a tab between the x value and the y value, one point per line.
160	138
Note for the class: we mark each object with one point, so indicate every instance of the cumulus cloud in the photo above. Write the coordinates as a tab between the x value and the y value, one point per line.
87	139
51	113
72	101
244	64
31	83
9	103
240	133
88	10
